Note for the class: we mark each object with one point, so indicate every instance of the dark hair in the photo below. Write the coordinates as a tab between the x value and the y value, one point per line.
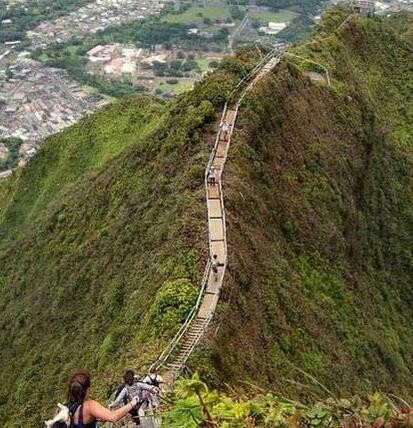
129	377
79	383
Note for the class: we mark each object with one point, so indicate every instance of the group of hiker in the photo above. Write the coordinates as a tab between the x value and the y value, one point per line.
225	129
132	397
147	391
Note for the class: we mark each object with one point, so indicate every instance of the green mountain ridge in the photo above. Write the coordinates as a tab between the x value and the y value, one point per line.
103	234
326	259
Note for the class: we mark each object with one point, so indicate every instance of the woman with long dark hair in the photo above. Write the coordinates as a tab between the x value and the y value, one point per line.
85	411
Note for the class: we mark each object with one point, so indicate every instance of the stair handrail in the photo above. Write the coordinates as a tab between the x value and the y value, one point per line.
250	74
178	372
253	71
214	149
178	336
248	88
184	327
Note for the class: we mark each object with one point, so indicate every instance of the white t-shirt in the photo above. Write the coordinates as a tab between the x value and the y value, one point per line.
225	127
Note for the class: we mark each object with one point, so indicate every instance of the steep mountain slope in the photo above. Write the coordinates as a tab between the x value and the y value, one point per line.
103	241
103	234
66	160
319	200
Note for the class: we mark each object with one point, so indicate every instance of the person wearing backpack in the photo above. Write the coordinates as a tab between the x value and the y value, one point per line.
132	389
85	412
155	380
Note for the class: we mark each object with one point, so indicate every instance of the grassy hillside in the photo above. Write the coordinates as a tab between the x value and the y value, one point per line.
319	198
67	158
103	240
103	234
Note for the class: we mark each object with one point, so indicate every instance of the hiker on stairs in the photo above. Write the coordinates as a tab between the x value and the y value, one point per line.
215	264
224	129
155	380
211	176
86	412
133	389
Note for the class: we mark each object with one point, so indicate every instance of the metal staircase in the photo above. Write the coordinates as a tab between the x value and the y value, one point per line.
173	359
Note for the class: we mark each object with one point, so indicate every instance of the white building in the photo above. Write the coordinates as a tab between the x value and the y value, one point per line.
274	27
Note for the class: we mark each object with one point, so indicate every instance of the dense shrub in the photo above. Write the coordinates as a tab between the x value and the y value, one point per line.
172	304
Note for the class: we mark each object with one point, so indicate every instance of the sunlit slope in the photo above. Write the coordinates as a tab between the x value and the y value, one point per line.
68	157
104	240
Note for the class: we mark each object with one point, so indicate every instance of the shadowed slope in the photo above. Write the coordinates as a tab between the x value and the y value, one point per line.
319	201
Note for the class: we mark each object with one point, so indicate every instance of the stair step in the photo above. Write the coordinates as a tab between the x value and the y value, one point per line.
174	366
188	346
195	330
185	352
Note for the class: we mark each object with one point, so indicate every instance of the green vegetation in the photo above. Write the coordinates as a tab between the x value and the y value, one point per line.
89	146
196	15
172	304
307	6
269	16
13	146
99	233
205	65
103	241
176	68
194	405
177	87
318	195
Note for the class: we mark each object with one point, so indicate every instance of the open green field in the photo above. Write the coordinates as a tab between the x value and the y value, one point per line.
178	88
196	14
203	64
268	16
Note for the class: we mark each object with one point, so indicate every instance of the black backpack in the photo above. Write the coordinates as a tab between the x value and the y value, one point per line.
154	381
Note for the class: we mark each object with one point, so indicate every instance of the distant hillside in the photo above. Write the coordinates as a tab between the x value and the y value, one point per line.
103	234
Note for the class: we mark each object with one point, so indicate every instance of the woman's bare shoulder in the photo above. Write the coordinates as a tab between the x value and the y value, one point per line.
95	409
90	402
